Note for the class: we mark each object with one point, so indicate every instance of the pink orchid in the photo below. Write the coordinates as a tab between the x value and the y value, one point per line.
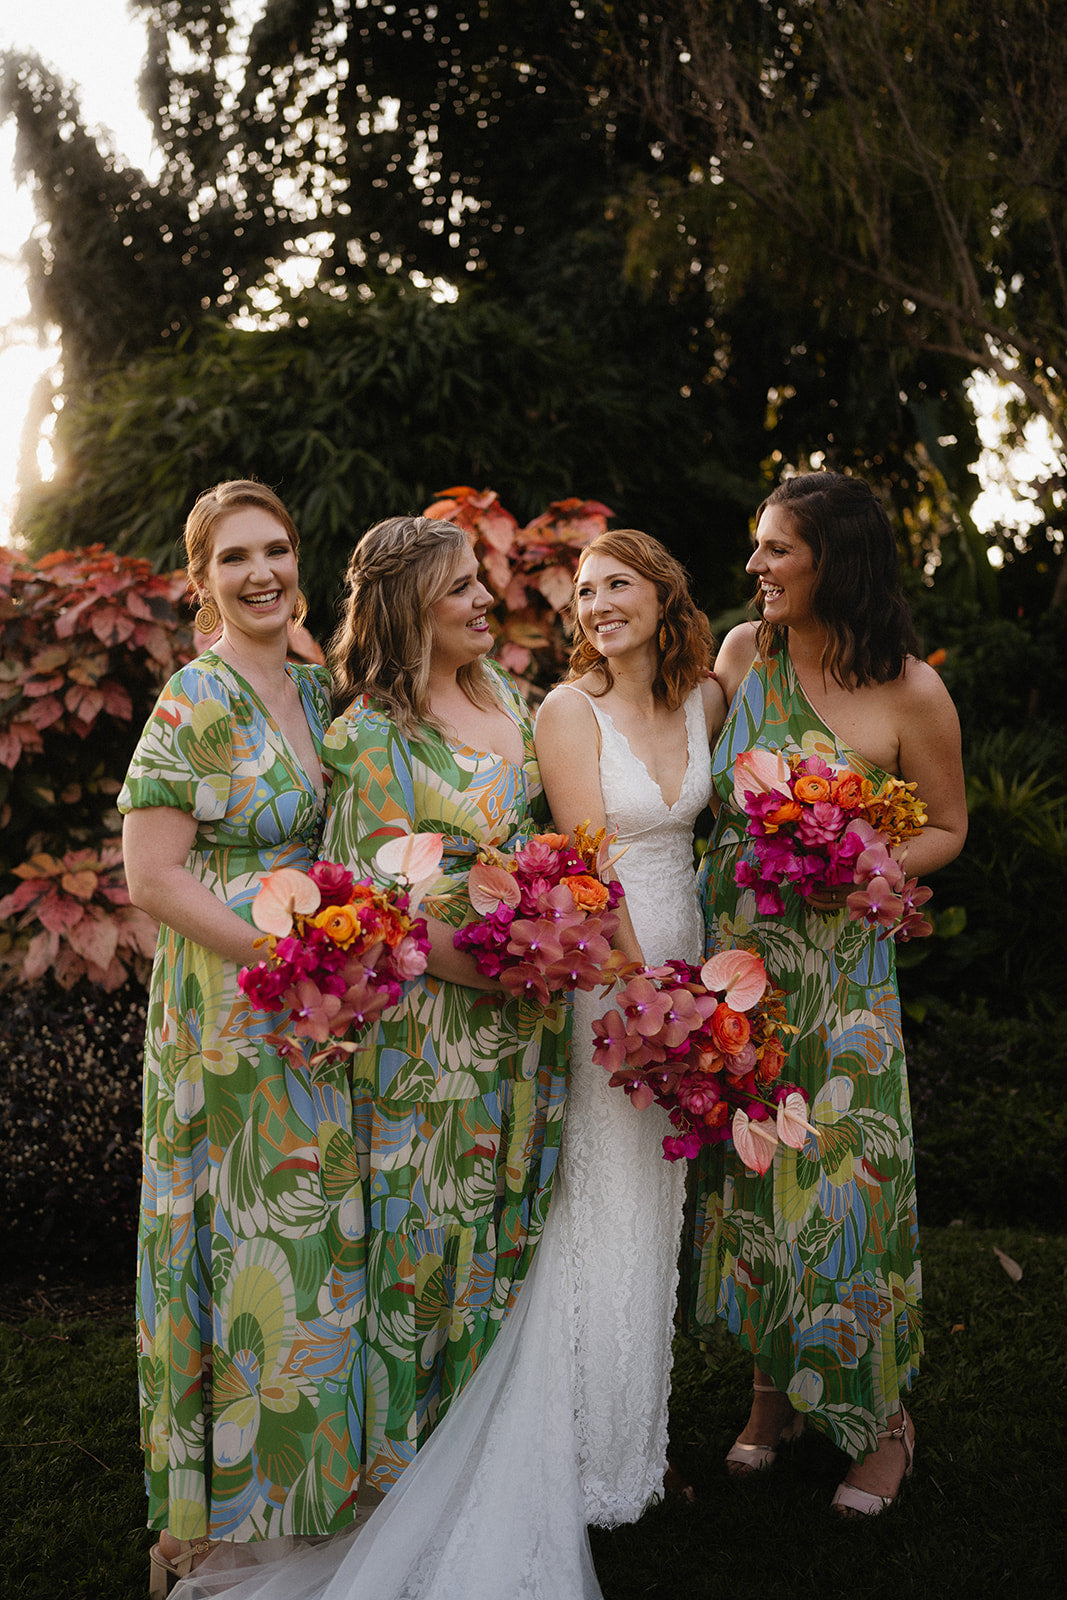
875	902
525	982
535	939
610	1041
645	1005
313	1012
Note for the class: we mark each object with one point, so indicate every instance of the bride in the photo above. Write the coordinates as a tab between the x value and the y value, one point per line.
565	1423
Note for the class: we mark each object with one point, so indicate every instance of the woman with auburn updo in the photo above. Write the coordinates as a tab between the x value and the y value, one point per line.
815	1265
459	1091
249	1243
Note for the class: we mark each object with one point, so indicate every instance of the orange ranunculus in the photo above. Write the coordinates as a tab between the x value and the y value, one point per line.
788	811
362	894
847	790
393	927
730	1029
554	841
340	924
810	788
717	1114
589	894
771	1062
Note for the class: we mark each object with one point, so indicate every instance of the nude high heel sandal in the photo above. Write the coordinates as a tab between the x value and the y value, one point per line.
849	1501
741	1459
164	1571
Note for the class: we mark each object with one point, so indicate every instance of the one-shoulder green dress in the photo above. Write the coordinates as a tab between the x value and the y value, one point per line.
815	1266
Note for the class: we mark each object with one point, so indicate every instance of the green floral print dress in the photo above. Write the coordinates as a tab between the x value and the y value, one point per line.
814	1266
251	1234
458	1098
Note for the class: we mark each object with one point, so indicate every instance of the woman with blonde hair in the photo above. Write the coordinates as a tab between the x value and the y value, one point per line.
247	1265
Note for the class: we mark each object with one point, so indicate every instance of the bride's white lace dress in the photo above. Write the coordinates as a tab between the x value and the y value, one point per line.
565	1422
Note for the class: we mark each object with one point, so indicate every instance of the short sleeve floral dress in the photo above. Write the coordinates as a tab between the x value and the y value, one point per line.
250	1247
459	1121
815	1265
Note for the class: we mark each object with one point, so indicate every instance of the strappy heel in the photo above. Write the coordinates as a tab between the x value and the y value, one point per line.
849	1501
165	1571
742	1459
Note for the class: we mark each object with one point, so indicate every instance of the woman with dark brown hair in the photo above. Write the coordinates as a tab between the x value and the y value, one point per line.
815	1264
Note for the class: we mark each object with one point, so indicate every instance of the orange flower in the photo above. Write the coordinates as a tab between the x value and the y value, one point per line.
589	894
340	924
730	1029
554	841
810	788
788	811
847	790
771	1062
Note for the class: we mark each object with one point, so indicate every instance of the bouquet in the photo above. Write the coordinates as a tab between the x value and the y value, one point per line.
706	1044
814	827
545	915
340	950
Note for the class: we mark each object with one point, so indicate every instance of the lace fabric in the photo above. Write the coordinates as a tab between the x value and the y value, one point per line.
565	1422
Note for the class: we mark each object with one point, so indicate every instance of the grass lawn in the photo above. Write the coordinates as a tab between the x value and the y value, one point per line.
982	1516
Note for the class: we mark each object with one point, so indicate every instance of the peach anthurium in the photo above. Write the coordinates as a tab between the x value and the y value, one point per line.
491	886
755	1142
415	857
760	772
283	895
793	1126
738	976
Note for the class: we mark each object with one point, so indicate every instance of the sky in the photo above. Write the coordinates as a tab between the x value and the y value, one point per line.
95	46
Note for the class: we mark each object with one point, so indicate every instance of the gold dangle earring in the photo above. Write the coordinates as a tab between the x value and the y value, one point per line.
663	638
207	619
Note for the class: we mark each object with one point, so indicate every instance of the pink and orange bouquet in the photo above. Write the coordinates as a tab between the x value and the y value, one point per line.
706	1044
815	826
339	949
545	915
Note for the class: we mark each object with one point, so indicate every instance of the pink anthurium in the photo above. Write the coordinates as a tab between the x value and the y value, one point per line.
738	976
415	857
759	772
793	1126
283	895
490	887
755	1142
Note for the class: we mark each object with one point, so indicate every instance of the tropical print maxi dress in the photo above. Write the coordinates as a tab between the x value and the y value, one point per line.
458	1124
815	1265
251	1232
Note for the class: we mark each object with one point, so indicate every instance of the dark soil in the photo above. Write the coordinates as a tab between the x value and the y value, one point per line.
23	1298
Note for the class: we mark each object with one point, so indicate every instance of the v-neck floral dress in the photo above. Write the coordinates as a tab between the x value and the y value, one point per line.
816	1264
458	1097
251	1231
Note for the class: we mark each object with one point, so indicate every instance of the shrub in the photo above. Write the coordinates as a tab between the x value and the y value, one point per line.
70	1118
988	1103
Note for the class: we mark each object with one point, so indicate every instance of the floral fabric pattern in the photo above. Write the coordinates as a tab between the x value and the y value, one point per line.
458	1098
251	1233
814	1266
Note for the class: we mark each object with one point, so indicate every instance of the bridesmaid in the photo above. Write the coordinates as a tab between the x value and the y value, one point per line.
250	1201
459	1094
815	1266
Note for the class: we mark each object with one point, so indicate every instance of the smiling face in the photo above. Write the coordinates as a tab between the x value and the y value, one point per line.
252	573
618	610
458	619
785	566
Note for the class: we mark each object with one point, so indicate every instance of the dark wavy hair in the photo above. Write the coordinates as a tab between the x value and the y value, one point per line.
687	647
857	597
384	642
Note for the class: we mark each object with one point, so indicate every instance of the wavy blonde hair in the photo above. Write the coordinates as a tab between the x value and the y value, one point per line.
687	650
383	645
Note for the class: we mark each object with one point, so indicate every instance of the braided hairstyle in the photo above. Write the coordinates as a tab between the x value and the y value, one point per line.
384	643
